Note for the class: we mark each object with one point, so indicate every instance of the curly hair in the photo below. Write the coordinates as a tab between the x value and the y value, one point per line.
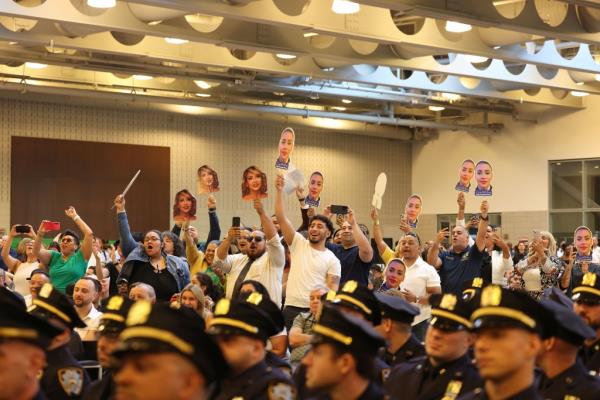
215	183
176	210
263	182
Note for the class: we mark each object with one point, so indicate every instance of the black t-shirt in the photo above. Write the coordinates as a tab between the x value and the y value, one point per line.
353	268
163	282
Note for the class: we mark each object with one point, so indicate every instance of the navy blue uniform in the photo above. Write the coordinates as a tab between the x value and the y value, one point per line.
101	389
528	394
575	381
372	392
64	378
259	382
411	349
590	356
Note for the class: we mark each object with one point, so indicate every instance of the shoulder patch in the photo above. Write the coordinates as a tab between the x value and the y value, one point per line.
281	391
385	373
71	380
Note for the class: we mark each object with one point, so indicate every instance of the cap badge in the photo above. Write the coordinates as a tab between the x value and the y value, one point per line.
350	286
138	314
448	302
254	298
115	303
222	307
589	279
491	296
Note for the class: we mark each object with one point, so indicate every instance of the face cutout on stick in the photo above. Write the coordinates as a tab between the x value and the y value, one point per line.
583	241
208	180
254	184
465	174
483	176
412	210
286	148
184	208
315	186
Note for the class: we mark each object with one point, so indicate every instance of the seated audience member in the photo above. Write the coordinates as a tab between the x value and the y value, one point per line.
36	279
192	297
148	263
68	265
355	253
312	263
397	316
142	291
462	262
24	263
263	261
393	276
341	363
87	289
242	327
165	354
63	376
301	333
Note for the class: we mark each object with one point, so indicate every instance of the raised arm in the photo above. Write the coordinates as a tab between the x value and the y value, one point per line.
434	252
88	235
460	216
191	251
378	232
9	260
214	229
287	229
266	223
232	234
482	227
127	242
41	254
365	251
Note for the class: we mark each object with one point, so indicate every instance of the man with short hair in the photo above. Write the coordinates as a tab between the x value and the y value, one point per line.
341	362
312	263
587	305
355	253
262	262
462	262
446	369
142	291
36	279
85	292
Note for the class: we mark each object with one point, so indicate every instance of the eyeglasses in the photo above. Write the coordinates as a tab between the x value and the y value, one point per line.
257	239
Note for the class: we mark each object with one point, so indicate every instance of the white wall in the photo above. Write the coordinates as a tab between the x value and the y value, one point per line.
349	163
519	155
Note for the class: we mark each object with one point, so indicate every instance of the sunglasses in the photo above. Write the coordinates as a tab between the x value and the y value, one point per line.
257	239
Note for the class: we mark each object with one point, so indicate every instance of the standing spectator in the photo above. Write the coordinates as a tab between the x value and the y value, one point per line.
24	263
520	251
214	229
312	263
499	252
3	241
263	262
68	265
85	292
355	253
462	262
595	250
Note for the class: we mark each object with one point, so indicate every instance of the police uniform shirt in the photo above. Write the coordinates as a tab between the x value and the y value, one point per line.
574	383
259	382
417	379
590	356
101	389
411	349
63	378
528	394
372	392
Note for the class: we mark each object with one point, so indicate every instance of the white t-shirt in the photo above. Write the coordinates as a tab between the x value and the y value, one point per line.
266	269
21	274
500	268
417	279
309	270
92	320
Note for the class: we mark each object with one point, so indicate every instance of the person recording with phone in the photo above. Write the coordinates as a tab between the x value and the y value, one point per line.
263	261
355	253
68	265
25	262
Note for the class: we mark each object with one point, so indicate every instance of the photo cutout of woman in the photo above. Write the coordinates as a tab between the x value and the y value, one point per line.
483	176
208	180
315	186
184	208
254	184
412	210
465	174
583	241
286	148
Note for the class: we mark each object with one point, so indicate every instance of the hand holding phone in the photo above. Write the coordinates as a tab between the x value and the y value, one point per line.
340	210
50	226
22	229
235	222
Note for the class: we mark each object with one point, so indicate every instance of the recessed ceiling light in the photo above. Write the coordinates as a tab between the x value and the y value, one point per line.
171	40
497	47
327	69
34	65
345	7
436	108
579	94
475	59
154	23
202	84
310	34
279	93
558	163
142	77
579	83
451	96
102	3
457	27
339	108
596	166
597	77
285	56
205	95
346	101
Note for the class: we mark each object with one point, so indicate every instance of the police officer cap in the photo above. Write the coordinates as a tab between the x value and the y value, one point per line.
51	303
588	291
344	329
160	329
449	312
557	295
17	324
359	298
115	312
253	314
567	325
396	308
472	288
503	308
11	298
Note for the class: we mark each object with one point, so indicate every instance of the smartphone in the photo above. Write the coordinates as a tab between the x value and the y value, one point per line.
537	236
22	229
445	225
50	226
340	210
235	222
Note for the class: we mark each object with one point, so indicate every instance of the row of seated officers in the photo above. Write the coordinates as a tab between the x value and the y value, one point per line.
483	345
